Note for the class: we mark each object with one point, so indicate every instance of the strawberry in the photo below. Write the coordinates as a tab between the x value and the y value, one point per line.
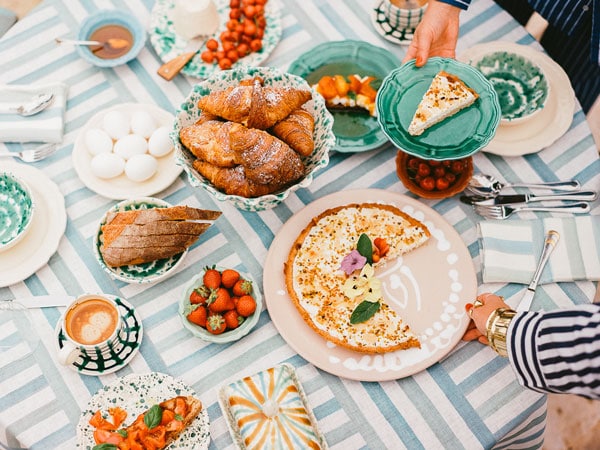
229	277
246	305
232	319
242	287
215	323
198	316
212	278
199	295
220	300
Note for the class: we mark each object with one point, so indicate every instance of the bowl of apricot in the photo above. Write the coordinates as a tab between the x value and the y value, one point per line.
433	179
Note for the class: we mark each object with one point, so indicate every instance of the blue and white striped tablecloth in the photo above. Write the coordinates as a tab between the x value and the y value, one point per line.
469	400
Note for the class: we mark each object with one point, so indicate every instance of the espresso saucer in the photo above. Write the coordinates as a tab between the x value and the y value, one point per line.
402	36
129	343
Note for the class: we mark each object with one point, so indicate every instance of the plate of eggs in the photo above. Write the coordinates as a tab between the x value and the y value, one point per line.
125	151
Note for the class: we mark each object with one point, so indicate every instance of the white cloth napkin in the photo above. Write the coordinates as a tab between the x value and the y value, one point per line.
45	126
510	249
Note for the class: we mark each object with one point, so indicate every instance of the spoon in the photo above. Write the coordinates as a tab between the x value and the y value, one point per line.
31	107
114	43
487	185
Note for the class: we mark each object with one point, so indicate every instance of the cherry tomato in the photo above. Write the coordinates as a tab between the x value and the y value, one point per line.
441	184
225	63
427	183
450	177
423	169
234	3
243	50
235	13
208	56
232	55
212	44
256	45
439	171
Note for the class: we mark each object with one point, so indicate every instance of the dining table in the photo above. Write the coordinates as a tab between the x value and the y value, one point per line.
468	399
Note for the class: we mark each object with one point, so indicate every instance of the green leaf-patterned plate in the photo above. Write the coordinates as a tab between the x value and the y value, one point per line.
138	273
136	393
458	136
16	210
168	44
355	131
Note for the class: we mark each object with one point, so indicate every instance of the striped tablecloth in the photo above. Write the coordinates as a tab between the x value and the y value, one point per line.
468	400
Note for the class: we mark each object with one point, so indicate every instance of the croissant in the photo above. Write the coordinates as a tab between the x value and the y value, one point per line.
266	159
254	106
209	141
232	181
297	130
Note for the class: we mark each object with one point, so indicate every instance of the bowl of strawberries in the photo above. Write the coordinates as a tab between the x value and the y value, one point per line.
220	305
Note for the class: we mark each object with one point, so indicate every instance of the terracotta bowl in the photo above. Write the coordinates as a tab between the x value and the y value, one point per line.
420	176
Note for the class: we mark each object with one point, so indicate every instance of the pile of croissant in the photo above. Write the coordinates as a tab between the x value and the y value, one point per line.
250	139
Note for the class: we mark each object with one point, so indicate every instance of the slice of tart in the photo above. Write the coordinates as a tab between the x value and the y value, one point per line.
446	95
321	286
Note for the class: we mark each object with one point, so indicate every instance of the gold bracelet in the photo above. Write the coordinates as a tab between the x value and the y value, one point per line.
497	328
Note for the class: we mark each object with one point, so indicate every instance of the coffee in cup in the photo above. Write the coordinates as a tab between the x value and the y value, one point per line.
91	326
404	14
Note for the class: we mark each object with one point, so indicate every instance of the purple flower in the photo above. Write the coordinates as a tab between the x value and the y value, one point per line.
353	261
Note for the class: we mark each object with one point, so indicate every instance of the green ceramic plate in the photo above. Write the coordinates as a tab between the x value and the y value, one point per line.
354	131
460	135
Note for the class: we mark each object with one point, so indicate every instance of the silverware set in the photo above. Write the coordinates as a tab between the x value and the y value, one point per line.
484	194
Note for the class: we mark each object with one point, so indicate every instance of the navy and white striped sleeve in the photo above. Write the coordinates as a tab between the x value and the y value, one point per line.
462	4
557	351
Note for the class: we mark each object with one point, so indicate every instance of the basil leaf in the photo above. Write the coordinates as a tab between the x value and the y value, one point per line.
178	417
122	432
364	311
153	417
365	248
105	446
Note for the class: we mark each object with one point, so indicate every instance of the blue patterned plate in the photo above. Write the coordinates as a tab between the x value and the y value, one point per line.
128	344
354	131
168	44
16	210
136	393
188	114
458	136
138	273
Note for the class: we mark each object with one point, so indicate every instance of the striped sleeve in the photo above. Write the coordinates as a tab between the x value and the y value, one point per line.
462	4
557	351
566	15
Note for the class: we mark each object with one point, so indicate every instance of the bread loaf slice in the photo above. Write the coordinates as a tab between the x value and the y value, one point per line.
141	236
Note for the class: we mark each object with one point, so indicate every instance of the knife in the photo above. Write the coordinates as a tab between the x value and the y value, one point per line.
527	198
44	301
552	238
172	67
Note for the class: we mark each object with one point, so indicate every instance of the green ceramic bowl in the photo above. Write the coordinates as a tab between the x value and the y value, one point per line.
138	273
355	131
16	210
458	136
521	85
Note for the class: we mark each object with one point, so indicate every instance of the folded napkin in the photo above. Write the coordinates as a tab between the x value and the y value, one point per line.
45	126
510	249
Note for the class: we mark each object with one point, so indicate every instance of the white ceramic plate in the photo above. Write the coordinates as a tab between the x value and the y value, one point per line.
47	227
121	187
543	129
434	310
138	273
130	341
136	393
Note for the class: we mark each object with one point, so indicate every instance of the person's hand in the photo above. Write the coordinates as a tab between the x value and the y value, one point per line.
436	35
480	313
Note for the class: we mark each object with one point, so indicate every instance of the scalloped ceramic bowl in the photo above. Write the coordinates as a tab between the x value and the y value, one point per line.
188	114
138	273
16	210
520	83
228	335
106	17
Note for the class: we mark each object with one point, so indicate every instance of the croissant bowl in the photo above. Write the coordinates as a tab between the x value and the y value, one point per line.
188	113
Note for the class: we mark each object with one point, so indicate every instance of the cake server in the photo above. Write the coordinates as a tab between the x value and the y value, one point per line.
552	238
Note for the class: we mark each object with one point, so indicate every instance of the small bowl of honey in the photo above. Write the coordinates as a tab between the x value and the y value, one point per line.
121	34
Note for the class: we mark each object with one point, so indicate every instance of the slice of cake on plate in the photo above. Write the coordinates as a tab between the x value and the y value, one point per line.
447	94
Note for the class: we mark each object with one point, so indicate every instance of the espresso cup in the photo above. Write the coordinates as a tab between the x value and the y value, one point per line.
91	326
404	14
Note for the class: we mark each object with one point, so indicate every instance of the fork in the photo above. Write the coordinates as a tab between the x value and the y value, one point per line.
34	155
503	211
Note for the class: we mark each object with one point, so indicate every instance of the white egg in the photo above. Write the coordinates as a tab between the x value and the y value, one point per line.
132	144
141	167
97	141
143	123
116	124
107	165
160	143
